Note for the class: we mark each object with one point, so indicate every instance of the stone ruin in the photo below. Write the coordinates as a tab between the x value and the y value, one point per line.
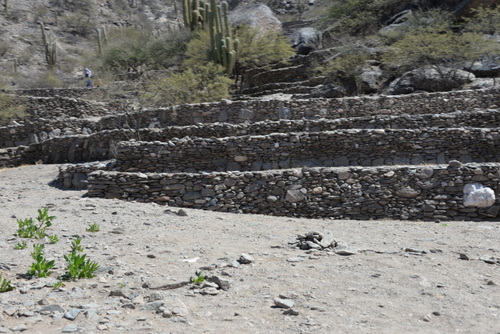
372	157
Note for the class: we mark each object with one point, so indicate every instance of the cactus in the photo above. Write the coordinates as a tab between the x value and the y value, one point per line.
16	63
6	6
199	14
50	48
102	39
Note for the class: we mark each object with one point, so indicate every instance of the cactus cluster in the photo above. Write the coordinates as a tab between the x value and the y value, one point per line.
199	14
50	48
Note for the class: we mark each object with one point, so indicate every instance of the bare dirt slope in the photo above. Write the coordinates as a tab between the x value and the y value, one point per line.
404	277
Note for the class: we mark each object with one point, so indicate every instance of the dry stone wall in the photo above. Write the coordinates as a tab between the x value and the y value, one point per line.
353	147
101	145
60	116
415	192
52	117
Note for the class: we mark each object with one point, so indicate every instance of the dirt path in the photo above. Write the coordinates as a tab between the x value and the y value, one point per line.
403	277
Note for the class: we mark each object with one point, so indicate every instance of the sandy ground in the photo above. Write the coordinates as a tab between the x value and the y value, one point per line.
404	277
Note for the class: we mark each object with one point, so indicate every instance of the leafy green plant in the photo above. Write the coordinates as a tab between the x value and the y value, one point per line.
200	278
41	267
93	228
78	265
5	285
21	245
53	239
29	229
58	284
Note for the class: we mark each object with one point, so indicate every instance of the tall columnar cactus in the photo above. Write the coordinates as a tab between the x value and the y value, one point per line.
102	39
223	47
199	14
6	6
50	48
195	13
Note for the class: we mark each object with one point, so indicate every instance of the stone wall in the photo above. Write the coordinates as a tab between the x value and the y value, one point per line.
352	147
59	116
52	117
416	193
101	145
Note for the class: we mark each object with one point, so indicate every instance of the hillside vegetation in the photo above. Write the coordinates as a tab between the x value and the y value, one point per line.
150	46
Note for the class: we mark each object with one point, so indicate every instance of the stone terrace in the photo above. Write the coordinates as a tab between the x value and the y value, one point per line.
402	157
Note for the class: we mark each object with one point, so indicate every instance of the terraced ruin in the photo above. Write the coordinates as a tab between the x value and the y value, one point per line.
399	157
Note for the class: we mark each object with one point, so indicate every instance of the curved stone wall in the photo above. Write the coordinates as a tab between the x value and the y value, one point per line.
407	192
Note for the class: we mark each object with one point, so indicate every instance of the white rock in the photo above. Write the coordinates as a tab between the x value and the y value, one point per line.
475	194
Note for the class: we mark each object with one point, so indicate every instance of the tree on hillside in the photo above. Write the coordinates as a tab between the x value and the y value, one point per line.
441	51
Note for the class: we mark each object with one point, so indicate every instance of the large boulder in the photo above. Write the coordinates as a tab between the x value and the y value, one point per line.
305	40
488	66
371	78
258	16
430	79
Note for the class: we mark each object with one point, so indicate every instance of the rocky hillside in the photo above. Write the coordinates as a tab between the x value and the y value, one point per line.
73	28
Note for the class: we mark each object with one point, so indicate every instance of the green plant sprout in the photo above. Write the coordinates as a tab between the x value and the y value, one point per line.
21	245
78	265
200	278
41	267
53	239
5	285
93	228
29	229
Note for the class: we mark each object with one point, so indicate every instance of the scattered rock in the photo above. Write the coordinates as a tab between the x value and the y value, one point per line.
463	256
182	213
20	328
221	284
245	259
71	328
283	303
291	311
315	240
71	314
489	259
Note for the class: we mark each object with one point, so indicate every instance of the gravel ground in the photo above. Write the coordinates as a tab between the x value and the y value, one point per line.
365	277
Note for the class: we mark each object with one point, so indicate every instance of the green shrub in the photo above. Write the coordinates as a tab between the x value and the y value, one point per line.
133	51
362	17
81	24
438	49
484	21
255	49
346	67
11	107
420	22
193	85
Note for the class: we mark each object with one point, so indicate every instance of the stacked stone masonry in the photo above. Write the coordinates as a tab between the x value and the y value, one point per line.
102	145
352	147
72	114
401	157
411	192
